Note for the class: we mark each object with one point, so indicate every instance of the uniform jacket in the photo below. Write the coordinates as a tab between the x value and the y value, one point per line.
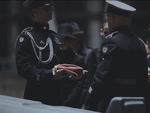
36	55
121	71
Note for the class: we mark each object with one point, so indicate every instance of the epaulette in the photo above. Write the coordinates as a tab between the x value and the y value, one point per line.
24	31
112	34
52	31
139	39
27	29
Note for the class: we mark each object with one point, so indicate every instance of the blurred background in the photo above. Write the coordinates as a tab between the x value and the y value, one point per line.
89	14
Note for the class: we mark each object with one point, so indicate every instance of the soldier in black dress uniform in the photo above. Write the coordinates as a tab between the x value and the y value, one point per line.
122	66
38	50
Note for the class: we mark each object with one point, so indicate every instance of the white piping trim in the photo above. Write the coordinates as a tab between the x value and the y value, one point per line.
111	35
48	42
143	43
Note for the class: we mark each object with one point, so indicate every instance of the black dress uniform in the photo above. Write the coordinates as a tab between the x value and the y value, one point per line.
122	67
38	50
121	71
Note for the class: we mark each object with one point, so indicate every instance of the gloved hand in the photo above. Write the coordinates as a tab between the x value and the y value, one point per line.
60	74
55	69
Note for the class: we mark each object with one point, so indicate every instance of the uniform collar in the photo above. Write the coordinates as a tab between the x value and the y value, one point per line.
120	28
39	26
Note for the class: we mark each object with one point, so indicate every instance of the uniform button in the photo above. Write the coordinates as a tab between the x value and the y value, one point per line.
54	54
90	90
103	59
38	77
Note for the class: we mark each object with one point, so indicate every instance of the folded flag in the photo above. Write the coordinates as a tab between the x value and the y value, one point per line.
65	70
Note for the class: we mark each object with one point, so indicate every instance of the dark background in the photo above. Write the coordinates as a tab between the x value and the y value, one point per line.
67	11
14	18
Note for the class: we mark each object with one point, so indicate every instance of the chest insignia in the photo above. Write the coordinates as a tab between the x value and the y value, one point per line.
57	40
42	42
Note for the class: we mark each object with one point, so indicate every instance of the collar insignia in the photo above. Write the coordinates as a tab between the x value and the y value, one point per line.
57	40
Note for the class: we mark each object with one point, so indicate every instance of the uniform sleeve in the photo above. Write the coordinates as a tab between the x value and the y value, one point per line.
26	61
107	53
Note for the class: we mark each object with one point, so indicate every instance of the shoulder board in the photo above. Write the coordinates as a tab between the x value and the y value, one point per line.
51	31
135	34
112	34
143	43
24	31
27	30
139	39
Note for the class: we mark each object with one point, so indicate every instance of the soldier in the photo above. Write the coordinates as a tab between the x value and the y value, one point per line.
122	66
38	50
